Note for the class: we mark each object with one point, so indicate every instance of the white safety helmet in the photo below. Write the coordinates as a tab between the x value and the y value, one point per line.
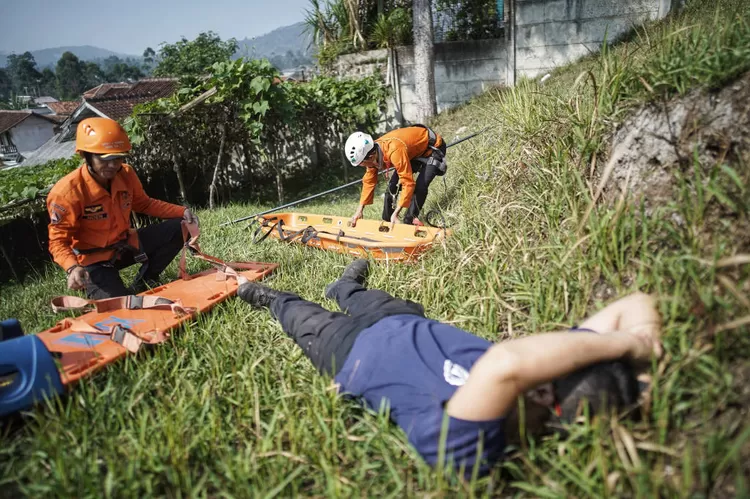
358	145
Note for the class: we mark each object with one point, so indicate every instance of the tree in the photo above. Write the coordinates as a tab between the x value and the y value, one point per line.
392	29
424	60
124	72
114	69
109	63
148	59
15	103
92	74
320	24
23	73
48	85
71	76
469	19
194	57
6	85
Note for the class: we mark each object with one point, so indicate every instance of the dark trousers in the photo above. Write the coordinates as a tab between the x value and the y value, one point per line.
327	337
426	175
161	242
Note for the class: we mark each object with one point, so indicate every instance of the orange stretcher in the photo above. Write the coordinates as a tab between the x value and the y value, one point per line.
372	238
85	344
39	366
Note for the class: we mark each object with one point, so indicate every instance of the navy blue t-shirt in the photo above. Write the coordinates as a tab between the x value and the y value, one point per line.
415	365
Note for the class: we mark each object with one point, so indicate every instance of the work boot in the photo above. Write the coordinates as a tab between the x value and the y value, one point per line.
257	295
356	271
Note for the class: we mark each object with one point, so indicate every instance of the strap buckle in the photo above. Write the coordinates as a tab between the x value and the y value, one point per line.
125	337
140	257
135	302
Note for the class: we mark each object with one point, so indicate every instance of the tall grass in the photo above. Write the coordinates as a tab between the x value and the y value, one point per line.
231	407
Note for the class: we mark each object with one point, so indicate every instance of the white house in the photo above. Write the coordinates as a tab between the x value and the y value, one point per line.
22	132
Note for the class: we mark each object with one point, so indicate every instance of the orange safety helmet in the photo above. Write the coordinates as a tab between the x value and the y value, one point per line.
102	136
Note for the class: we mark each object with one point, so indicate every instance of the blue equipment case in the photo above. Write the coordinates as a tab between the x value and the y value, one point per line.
28	373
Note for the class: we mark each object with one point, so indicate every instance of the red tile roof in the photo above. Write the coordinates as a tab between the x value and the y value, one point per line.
63	108
103	89
152	86
118	103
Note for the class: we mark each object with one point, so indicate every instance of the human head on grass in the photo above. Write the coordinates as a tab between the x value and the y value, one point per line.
602	388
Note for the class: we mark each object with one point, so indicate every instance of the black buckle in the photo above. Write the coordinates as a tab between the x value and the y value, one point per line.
141	258
118	334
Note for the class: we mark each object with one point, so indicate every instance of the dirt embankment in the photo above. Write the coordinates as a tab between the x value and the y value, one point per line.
665	141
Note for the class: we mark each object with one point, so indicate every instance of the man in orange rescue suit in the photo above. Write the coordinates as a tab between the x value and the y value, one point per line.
410	150
89	231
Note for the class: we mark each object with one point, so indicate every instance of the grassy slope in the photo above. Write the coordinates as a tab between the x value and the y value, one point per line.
231	406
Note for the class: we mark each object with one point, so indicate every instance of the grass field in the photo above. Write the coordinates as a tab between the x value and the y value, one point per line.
230	406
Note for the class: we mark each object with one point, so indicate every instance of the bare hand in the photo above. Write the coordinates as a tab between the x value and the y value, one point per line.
394	218
356	217
649	339
77	278
190	217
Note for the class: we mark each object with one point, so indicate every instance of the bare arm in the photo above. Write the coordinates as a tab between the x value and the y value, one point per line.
509	369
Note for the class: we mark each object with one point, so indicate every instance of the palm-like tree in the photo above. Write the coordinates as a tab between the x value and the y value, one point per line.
337	20
319	23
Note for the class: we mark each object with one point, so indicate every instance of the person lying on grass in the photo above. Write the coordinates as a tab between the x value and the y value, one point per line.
431	375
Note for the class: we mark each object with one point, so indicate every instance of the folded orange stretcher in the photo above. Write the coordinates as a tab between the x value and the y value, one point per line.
36	366
372	238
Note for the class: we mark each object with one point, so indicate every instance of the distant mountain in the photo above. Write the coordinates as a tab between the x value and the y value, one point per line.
49	57
286	47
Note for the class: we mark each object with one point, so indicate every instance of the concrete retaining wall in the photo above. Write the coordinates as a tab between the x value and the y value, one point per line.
462	70
551	33
546	34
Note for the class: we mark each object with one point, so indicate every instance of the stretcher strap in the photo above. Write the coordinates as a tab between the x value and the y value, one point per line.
259	235
226	270
305	234
285	235
130	302
128	338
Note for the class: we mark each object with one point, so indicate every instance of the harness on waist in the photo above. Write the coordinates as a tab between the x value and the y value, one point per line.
121	247
436	159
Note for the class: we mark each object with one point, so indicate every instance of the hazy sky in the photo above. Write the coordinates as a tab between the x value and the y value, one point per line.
129	26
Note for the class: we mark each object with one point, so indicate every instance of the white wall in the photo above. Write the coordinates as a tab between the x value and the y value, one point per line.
462	70
31	133
548	33
552	33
